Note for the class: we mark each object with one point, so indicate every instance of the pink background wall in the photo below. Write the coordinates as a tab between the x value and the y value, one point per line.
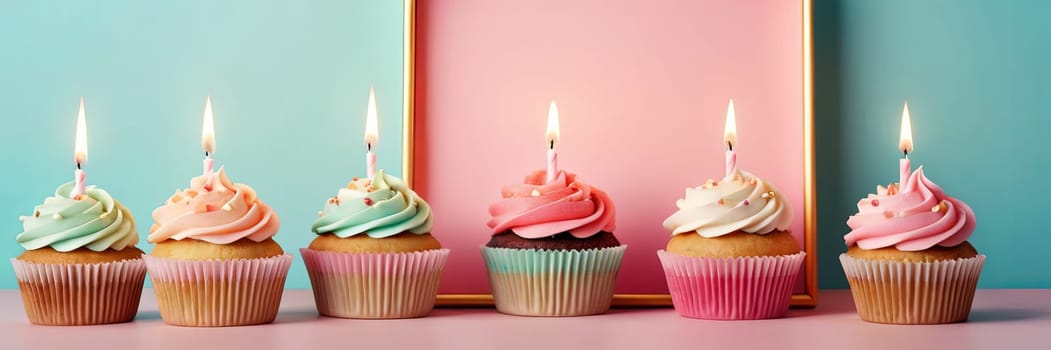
642	89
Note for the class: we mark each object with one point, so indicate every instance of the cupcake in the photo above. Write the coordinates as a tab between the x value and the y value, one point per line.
731	256
374	256
552	251
80	266
215	262
908	260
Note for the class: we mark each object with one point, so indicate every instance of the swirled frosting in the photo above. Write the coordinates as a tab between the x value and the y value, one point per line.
739	202
537	209
214	210
915	216
379	207
93	220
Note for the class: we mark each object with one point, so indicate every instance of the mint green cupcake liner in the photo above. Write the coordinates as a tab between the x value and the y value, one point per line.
531	282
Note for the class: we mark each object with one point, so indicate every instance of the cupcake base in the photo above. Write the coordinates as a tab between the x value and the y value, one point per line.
741	288
896	292
375	286
218	293
80	294
531	282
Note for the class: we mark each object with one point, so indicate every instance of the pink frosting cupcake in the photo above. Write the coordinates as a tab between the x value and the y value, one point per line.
215	263
908	260
552	251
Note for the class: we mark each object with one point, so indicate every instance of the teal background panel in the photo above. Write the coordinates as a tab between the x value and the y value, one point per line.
289	82
976	75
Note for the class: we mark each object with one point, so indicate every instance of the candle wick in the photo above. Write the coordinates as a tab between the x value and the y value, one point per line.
730	145
368	146
552	144
206	155
906	154
78	165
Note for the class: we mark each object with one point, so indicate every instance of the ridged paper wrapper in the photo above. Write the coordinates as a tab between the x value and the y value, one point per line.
80	294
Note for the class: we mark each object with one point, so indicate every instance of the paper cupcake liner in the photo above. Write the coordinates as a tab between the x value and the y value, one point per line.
382	285
80	294
531	282
218	293
913	292
743	288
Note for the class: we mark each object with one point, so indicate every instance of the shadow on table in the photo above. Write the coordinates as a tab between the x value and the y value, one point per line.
1005	315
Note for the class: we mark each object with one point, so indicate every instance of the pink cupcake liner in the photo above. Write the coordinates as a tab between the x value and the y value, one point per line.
743	288
218	293
80	294
913	292
553	283
376	286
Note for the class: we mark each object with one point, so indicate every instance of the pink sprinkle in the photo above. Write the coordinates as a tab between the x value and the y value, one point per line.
746	202
875	202
368	201
721	201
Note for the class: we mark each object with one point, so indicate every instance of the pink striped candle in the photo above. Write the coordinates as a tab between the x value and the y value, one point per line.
730	137
905	145
372	135
80	152
552	138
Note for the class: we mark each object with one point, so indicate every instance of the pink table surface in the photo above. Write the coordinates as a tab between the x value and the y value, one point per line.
1006	319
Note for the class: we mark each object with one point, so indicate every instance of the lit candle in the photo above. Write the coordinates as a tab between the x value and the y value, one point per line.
905	145
80	152
730	137
372	135
208	139
552	138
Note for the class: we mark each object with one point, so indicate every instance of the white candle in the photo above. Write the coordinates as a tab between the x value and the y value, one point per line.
372	136
905	146
208	141
80	152
552	139
730	137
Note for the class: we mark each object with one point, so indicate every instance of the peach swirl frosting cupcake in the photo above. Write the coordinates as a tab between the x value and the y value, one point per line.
552	251
81	266
908	260
215	262
731	256
374	256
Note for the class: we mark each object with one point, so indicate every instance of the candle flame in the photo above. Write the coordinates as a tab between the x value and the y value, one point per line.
552	124
372	134
208	128
905	142
80	147
730	130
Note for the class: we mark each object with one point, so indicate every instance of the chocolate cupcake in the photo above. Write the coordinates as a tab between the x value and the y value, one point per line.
552	233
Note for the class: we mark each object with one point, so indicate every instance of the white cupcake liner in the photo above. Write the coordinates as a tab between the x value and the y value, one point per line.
80	294
375	286
742	288
218	293
531	282
913	292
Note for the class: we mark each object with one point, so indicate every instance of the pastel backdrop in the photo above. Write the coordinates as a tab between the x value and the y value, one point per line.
289	80
977	75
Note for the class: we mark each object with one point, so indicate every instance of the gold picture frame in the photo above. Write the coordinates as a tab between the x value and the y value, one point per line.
808	298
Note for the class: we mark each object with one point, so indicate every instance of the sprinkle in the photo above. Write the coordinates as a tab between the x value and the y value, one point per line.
709	184
368	201
78	197
370	188
56	216
892	189
333	200
875	202
320	213
355	178
227	207
746	202
721	201
535	193
772	194
209	207
36	214
766	195
888	214
753	181
941	207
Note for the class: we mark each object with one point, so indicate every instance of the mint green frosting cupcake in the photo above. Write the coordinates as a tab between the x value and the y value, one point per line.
379	207
95	221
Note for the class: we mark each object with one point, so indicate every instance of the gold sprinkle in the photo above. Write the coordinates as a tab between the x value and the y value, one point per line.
772	194
535	193
765	195
941	207
752	181
36	214
227	207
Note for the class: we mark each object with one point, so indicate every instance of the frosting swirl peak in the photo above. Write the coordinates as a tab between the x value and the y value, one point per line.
916	216
93	220
379	207
214	210
536	209
739	202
